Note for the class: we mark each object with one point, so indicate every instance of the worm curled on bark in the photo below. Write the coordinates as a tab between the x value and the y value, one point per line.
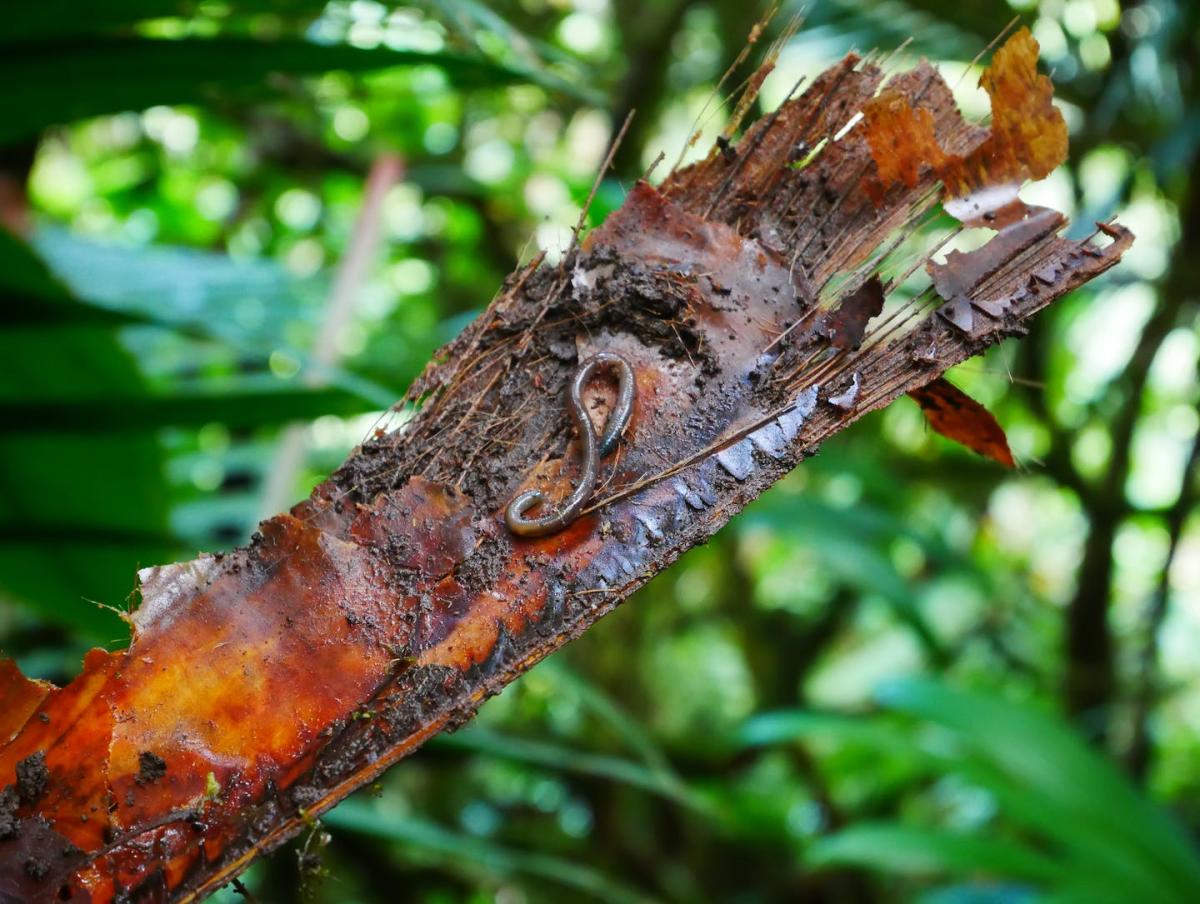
593	450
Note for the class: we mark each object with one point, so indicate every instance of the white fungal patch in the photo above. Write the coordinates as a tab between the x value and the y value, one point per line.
845	400
793	419
769	440
737	459
651	526
583	278
688	495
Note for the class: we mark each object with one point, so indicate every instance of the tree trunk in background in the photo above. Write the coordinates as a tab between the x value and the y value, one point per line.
1091	680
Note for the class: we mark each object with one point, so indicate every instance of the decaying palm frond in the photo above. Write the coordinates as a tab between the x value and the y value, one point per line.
762	300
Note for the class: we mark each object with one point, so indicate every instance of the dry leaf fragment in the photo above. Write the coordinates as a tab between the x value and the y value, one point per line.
957	416
846	324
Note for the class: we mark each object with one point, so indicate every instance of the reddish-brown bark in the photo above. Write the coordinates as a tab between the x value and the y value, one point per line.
264	685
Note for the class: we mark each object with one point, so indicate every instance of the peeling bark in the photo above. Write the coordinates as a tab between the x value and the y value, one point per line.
263	686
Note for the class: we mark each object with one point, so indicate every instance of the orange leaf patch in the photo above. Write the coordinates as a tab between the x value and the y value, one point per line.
1027	139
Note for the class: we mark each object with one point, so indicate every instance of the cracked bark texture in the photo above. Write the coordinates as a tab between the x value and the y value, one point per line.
264	685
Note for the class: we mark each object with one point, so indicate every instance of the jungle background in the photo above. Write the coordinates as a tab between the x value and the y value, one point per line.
236	231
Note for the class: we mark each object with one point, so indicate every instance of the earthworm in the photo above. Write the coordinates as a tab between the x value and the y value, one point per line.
593	449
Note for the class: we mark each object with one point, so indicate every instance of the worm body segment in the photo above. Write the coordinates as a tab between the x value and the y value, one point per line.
593	449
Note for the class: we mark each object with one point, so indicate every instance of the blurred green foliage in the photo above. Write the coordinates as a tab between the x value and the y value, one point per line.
901	675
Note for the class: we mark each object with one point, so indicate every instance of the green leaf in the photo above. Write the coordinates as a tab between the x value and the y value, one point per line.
194	294
789	725
238	407
909	851
76	519
475	855
61	18
1091	853
841	538
471	18
553	756
29	293
23	274
987	892
604	708
1044	775
69	80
